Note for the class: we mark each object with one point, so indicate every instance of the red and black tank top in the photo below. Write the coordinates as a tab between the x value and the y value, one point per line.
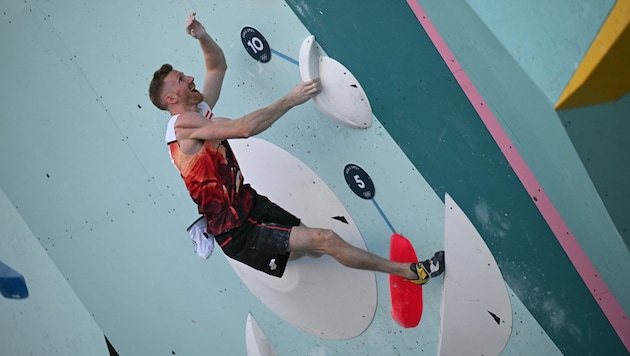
213	179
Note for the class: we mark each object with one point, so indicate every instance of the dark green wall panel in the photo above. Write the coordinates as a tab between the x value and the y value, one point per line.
416	98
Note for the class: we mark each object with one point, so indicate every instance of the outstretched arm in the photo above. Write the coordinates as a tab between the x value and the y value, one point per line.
192	128
213	58
261	119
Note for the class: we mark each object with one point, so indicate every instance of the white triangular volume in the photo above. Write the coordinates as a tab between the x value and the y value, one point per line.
342	98
476	314
256	341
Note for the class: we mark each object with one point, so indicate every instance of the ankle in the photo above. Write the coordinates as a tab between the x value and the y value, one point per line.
411	271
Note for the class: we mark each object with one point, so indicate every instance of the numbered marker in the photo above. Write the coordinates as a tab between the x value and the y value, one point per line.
256	44
359	181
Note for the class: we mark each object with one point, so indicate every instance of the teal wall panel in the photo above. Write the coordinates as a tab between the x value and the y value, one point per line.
112	211
88	171
423	108
51	320
547	43
599	136
547	40
549	147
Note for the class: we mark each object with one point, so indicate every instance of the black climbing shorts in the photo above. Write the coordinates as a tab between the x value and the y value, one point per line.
263	240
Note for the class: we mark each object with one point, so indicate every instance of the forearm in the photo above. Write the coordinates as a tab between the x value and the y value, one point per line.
260	120
213	56
251	124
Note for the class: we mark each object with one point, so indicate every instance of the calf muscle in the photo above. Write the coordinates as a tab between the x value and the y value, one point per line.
309	241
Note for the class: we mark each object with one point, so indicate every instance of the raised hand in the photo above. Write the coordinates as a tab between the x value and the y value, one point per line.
194	27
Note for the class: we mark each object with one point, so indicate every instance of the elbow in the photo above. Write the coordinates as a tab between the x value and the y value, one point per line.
245	129
220	67
221	64
249	132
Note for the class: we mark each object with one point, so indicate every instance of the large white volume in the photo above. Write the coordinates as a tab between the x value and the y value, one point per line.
476	314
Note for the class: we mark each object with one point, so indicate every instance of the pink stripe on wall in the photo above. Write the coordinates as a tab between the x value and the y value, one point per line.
606	300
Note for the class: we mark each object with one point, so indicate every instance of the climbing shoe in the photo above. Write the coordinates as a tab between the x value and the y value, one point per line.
426	269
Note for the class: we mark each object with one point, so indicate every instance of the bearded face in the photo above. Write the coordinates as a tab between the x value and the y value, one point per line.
181	88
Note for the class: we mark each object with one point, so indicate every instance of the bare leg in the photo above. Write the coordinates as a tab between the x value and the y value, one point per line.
297	255
321	241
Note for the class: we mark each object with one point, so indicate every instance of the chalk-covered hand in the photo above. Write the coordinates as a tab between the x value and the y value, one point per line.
305	91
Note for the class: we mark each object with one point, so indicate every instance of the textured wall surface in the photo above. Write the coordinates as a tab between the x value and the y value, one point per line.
85	167
51	320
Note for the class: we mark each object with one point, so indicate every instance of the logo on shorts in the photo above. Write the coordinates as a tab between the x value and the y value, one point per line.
272	264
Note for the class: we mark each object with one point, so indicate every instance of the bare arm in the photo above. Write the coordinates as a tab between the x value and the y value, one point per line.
213	58
192	129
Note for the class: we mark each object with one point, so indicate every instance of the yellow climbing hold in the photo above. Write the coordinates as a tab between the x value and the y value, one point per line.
604	74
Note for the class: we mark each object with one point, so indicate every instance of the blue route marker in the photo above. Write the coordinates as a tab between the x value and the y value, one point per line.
12	283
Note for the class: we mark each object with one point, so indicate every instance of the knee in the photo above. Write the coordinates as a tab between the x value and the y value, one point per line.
326	239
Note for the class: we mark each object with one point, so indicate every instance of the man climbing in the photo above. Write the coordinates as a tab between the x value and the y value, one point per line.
247	226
